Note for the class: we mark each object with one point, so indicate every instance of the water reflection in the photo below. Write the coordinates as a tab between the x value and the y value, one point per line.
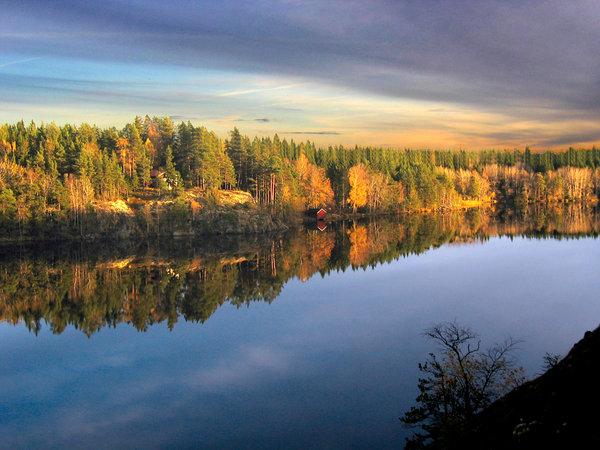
94	287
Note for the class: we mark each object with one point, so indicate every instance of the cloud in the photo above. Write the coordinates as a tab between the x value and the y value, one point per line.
320	133
21	61
179	117
258	119
580	137
495	54
527	59
257	90
251	362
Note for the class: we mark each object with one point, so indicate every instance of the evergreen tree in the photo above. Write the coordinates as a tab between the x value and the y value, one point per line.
236	154
172	175
143	169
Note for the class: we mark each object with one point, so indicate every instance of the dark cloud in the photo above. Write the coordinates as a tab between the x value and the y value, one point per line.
497	55
581	137
537	138
259	120
184	118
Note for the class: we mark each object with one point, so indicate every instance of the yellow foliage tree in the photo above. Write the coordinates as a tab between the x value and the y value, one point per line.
123	154
150	150
358	177
315	186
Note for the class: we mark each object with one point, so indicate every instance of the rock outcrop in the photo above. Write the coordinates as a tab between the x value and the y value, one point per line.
555	410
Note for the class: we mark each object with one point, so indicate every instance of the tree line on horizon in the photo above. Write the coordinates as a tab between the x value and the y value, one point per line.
61	170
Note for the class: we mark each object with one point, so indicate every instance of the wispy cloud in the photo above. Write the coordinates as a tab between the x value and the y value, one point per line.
20	61
320	133
250	362
258	120
258	90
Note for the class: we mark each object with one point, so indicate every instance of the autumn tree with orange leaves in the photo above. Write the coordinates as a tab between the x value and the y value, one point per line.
373	189
358	176
314	185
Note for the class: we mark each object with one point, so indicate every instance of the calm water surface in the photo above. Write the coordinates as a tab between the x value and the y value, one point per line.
309	340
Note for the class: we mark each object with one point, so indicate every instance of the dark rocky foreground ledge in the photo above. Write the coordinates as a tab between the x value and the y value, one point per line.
559	409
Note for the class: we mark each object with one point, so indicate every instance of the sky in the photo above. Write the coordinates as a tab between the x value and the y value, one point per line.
394	73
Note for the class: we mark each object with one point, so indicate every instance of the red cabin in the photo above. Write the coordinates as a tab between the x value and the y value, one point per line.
316	213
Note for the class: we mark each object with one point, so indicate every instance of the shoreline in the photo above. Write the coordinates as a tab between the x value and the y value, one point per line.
96	226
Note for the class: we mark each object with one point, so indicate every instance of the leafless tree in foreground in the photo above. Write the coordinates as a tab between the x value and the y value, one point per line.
457	383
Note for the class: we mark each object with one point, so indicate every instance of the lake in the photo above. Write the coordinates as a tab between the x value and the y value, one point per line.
309	339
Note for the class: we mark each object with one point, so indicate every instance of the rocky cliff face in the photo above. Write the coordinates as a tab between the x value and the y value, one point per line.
555	410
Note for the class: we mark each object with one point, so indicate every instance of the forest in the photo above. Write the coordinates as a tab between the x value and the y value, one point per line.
51	174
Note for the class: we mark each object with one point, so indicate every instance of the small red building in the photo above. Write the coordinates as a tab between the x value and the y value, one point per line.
316	213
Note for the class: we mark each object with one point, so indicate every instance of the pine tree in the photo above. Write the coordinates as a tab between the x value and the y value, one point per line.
235	152
172	175
143	169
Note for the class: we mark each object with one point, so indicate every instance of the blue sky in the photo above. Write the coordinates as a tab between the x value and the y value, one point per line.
426	73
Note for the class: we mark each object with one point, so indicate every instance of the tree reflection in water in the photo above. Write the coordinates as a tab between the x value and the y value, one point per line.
90	287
